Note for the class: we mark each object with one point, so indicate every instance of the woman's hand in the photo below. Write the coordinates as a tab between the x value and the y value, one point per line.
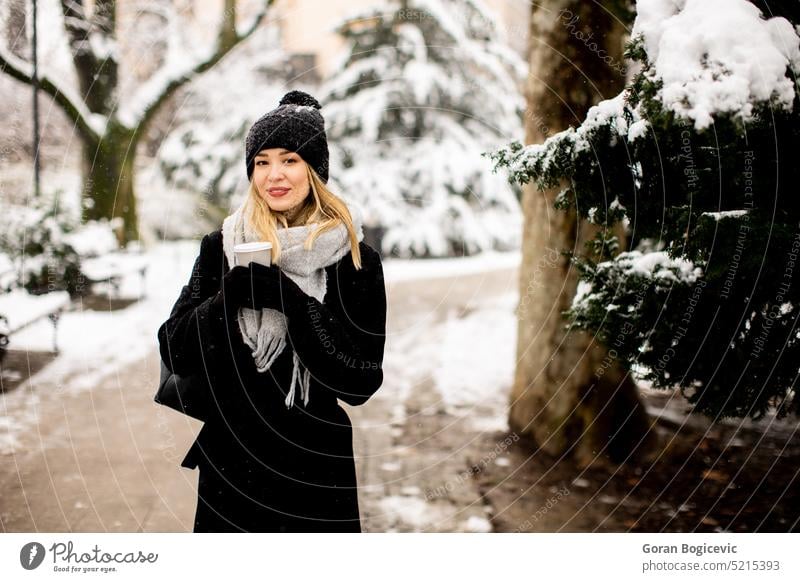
236	286
259	287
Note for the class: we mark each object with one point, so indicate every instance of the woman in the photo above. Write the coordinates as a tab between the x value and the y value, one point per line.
280	344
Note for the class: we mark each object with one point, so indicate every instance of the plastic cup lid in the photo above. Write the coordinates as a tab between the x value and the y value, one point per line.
252	247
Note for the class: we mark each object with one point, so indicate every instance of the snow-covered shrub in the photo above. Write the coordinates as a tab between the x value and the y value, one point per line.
46	242
696	158
33	236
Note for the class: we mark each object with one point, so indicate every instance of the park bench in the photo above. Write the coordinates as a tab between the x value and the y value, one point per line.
7	274
112	268
102	261
19	309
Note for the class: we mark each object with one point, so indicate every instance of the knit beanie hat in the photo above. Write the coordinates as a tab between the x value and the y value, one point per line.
297	125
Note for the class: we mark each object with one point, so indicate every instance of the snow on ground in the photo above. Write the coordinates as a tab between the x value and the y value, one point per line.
478	524
470	359
476	359
412	511
406	270
421	515
14	420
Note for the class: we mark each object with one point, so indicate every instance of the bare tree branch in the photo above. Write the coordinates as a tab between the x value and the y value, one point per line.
87	123
227	27
77	27
105	16
91	40
166	83
16	28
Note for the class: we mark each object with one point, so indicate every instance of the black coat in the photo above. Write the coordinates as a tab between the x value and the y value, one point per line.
264	467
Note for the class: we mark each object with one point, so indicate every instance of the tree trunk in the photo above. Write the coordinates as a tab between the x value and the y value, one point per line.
108	160
108	166
568	395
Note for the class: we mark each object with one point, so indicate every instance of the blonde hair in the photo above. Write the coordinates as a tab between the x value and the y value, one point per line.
321	205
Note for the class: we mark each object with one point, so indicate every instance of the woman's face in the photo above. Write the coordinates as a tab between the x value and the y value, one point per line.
281	178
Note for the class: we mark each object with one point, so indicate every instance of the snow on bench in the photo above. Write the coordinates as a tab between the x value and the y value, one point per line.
19	309
7	273
101	259
113	267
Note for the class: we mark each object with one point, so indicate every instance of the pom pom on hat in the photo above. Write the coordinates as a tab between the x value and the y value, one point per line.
300	98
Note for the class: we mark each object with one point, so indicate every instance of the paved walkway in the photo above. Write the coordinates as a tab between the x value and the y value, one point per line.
107	459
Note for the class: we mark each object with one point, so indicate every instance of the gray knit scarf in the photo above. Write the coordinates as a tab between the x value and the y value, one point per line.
264	330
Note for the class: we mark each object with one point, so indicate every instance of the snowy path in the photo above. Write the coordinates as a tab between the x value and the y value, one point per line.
84	448
450	354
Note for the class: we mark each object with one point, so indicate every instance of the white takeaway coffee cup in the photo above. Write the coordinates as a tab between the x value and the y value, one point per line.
253	252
